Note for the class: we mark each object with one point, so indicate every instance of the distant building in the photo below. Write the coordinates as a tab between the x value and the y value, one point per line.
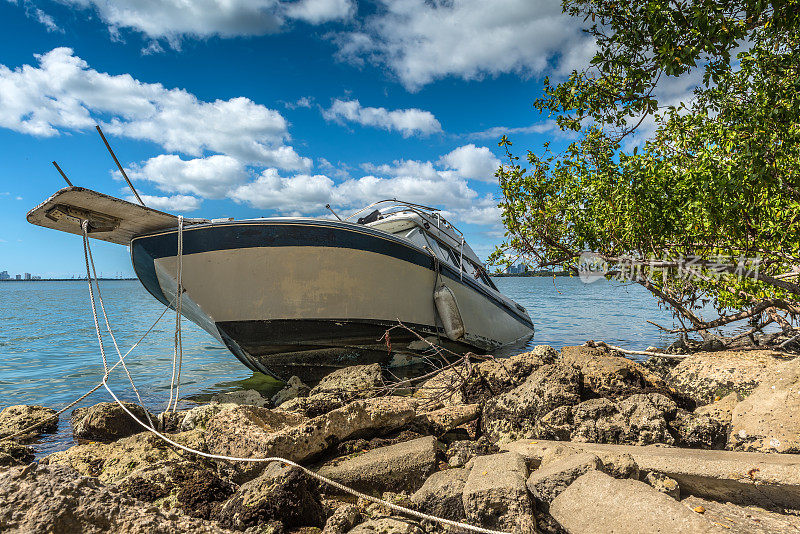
27	276
18	277
5	276
517	269
36	277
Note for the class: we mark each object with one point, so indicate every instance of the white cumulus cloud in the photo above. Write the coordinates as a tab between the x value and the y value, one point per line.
472	162
175	203
319	11
175	19
406	121
210	177
424	40
64	93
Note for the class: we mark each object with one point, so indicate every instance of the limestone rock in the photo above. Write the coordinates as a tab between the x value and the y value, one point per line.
664	484
192	486
107	421
111	462
250	433
18	417
547	482
606	372
514	414
342	520
294	388
645	418
495	495
705	376
348	383
503	374
440	421
479	382
281	493
248	397
745	519
597	504
199	416
769	419
699	430
441	494
388	525
597	421
45	499
721	410
400	467
13	453
458	453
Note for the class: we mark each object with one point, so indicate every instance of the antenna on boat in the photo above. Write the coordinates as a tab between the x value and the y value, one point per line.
118	165
64	176
328	206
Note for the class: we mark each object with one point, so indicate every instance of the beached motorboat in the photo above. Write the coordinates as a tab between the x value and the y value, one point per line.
293	295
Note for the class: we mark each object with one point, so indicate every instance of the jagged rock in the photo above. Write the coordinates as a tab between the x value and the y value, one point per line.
346	384
606	372
495	495
13	453
721	410
503	374
440	421
547	482
706	376
247	397
170	421
111	462
294	388
46	499
337	389
769	419
400	467
698	430
597	503
280	493
243	433
664	484
107	421
460	452
191	486
16	418
199	416
646	417
479	382
388	525
617	465
555	425
640	419
514	414
738	519
596	421
342	520
442	494
359	445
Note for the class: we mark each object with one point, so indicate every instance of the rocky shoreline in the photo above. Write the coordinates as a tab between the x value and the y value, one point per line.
582	440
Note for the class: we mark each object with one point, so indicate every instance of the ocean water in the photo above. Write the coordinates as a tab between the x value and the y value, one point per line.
49	351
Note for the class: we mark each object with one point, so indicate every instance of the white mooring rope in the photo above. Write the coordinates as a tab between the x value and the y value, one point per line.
312	474
177	352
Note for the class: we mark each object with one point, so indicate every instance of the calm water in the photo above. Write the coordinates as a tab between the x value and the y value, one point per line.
49	353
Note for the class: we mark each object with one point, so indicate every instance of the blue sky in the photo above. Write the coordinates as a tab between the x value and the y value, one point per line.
247	108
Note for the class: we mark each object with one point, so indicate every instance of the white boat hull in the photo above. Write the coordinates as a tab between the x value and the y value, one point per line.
288	294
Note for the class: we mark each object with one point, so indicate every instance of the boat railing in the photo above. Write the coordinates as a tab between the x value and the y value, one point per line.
427	214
